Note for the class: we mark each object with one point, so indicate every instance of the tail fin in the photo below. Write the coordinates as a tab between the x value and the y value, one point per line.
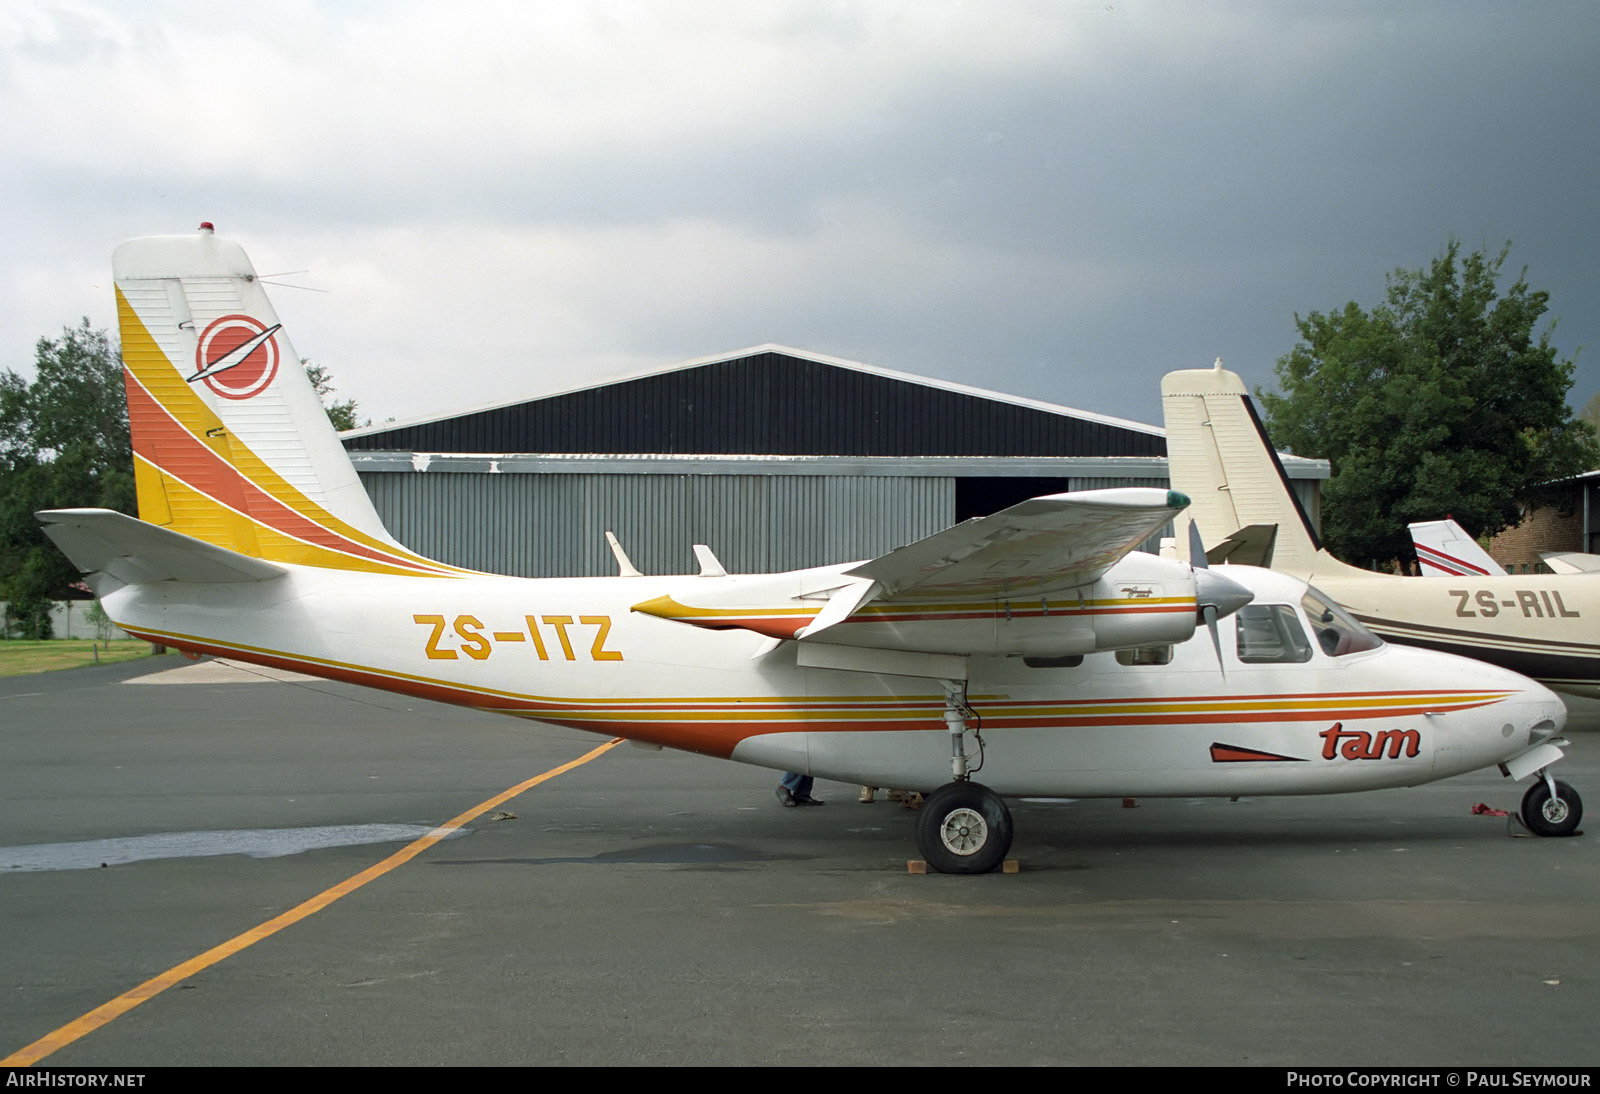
1218	454
231	444
1445	550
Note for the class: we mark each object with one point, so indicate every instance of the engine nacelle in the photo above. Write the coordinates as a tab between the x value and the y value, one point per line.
1142	600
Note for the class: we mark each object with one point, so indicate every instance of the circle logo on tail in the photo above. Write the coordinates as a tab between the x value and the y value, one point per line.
237	356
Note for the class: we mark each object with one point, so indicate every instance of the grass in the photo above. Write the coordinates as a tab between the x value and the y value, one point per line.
21	656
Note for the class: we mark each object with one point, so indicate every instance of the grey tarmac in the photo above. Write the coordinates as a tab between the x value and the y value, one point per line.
655	907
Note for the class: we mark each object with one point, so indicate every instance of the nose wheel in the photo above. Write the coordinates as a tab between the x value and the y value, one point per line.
964	828
1551	808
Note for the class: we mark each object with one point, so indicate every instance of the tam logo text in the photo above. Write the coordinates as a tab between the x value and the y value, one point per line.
1358	744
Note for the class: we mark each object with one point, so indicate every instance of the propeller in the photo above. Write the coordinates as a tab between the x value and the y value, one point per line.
1215	595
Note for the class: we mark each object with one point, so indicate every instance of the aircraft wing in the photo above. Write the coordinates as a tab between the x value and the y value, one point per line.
951	592
1059	541
134	552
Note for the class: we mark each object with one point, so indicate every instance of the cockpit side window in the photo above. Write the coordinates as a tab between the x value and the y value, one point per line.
1337	633
1271	634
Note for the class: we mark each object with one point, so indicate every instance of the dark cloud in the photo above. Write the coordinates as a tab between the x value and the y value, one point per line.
1065	212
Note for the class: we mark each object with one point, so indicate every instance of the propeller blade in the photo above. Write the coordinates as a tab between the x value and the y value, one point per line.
1197	549
1209	614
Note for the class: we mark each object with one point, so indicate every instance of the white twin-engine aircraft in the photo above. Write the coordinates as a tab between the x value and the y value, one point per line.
1034	645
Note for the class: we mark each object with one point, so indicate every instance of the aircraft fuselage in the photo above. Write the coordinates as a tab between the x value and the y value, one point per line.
571	652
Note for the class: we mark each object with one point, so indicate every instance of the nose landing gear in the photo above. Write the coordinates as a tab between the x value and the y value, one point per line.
1551	808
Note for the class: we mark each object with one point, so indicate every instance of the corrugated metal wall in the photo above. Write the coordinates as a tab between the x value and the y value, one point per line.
554	525
1085	482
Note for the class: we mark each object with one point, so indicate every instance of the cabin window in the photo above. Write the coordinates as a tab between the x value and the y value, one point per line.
1337	633
1271	634
1145	655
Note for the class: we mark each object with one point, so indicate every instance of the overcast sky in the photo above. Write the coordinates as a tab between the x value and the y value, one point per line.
1061	200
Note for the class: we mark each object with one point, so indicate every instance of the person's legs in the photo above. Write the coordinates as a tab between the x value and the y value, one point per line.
789	788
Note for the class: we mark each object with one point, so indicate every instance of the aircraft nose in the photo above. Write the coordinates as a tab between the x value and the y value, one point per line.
1538	709
1549	713
1213	590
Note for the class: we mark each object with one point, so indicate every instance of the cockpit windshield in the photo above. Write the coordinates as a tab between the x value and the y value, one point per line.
1337	633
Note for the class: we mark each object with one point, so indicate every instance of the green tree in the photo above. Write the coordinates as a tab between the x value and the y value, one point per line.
1442	400
341	414
63	444
1591	411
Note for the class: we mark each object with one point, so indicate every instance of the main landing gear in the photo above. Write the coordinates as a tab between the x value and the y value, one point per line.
964	827
1551	808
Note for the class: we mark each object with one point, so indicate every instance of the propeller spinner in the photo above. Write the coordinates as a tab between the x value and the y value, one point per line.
1215	594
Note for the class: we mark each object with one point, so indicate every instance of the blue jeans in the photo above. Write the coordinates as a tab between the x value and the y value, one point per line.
798	785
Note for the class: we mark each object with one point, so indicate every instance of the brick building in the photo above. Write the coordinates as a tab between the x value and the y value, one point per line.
1567	526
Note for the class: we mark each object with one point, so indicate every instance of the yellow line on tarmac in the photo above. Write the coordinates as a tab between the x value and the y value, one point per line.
125	1002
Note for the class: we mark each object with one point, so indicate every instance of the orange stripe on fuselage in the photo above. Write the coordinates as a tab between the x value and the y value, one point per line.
715	726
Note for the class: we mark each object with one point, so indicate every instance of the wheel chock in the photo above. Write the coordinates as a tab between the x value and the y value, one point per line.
917	866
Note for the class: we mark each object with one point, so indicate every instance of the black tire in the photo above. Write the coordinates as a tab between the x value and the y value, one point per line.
964	828
1547	816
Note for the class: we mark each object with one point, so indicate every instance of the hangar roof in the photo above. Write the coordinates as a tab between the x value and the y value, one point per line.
772	400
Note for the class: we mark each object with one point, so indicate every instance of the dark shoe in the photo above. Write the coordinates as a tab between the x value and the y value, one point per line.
785	798
807	799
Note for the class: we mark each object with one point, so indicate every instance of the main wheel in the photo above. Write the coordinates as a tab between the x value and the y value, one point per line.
1547	816
964	828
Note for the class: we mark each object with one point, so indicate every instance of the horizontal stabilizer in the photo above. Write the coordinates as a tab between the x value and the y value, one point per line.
1571	562
1059	541
1250	546
134	552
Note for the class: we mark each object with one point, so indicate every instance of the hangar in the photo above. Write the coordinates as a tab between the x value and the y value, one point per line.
776	458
